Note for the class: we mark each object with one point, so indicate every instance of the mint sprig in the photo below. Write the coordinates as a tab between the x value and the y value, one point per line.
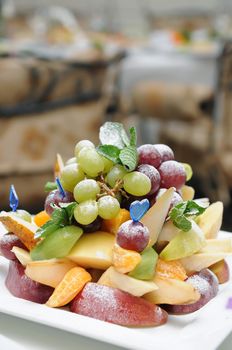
60	217
180	213
117	146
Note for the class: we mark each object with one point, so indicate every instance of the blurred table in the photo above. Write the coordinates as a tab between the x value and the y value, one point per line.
171	67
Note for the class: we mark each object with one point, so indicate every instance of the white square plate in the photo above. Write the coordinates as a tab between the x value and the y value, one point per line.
204	329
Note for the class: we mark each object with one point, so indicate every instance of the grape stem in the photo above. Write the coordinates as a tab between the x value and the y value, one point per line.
110	191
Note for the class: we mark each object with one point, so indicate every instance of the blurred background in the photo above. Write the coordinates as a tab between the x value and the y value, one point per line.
66	67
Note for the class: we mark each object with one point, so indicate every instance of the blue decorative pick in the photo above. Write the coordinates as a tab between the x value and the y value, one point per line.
60	187
138	209
13	198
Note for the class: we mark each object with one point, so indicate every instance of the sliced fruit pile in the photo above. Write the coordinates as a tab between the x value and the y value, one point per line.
121	238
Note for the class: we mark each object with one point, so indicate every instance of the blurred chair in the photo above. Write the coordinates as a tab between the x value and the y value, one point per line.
197	126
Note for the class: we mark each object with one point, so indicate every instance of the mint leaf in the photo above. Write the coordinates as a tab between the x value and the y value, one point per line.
133	136
180	213
50	186
113	134
110	152
69	209
129	157
60	217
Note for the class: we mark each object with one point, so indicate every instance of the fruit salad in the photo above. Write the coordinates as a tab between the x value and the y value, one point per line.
121	237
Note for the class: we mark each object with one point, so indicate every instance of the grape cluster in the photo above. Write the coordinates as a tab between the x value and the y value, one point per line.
101	187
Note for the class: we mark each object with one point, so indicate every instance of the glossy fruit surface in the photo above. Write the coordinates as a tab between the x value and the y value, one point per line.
133	235
108	207
23	287
70	176
148	154
153	174
86	212
85	190
172	174
115	306
136	183
7	242
90	161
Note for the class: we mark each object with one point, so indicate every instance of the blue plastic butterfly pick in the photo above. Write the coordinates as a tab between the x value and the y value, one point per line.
60	187
138	209
13	198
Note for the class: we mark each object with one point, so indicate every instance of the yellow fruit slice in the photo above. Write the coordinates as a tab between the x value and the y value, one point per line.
58	167
72	283
24	230
125	260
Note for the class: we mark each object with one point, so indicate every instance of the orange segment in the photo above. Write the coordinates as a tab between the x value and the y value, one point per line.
72	283
125	260
113	225
41	218
170	269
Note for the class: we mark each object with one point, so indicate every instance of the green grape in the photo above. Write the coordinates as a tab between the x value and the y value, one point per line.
70	176
108	164
86	189
108	207
188	170
58	244
137	184
116	173
90	161
23	214
86	212
81	144
71	161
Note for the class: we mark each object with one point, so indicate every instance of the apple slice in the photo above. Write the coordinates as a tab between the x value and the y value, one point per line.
155	217
184	244
49	272
200	261
172	291
113	278
24	230
115	306
211	220
94	250
223	245
21	286
187	193
206	283
22	255
221	270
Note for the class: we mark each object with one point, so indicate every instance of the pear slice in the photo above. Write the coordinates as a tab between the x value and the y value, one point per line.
211	220
49	272
184	244
200	261
94	250
223	245
22	255
169	231
58	166
155	217
113	278
172	291
24	230
187	193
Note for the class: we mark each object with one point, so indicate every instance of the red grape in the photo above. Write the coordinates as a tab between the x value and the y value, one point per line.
153	174
133	235
93	227
148	154
165	151
7	242
55	197
172	174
